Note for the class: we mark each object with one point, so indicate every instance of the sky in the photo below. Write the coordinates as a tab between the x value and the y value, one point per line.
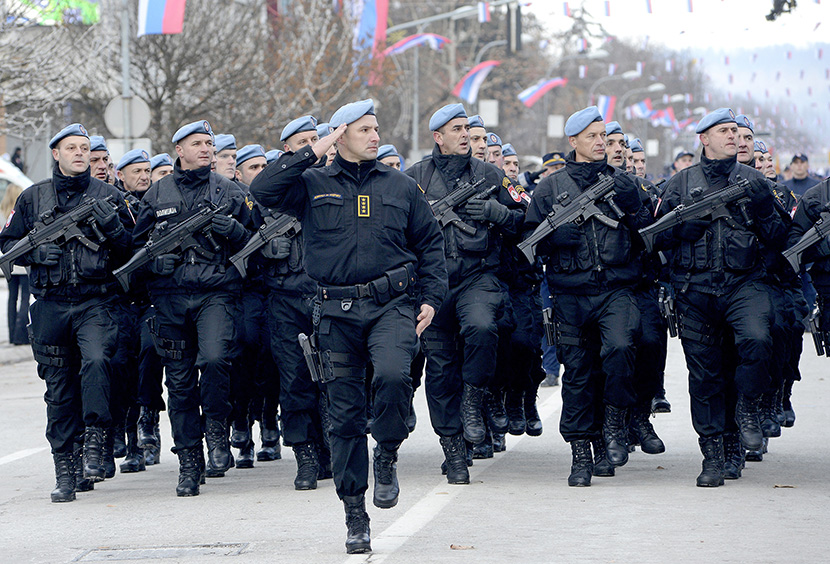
783	64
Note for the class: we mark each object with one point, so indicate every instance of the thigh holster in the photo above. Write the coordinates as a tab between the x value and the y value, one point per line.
166	348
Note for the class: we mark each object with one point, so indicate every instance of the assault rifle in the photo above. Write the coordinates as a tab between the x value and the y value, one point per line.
179	238
578	210
58	229
444	209
282	226
816	233
701	206
666	303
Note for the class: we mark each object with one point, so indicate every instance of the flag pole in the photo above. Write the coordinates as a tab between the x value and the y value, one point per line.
126	91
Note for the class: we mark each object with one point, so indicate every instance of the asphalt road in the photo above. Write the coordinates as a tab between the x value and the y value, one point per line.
517	509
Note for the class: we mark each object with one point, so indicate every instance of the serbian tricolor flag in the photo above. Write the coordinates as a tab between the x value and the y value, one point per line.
436	42
467	87
530	96
157	17
606	106
483	12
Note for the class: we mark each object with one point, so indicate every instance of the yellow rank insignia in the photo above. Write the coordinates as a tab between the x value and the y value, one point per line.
249	203
505	182
363	206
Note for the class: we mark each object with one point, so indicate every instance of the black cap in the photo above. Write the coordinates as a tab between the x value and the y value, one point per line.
800	157
684	153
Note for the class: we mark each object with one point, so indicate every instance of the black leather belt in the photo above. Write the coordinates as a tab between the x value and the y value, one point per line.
344	292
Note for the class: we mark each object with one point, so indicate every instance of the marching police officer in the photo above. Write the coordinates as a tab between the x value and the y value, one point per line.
371	244
160	165
73	332
195	293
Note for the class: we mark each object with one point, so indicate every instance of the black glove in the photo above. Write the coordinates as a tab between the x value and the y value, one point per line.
761	197
106	218
226	226
277	249
691	230
626	194
568	235
487	210
163	265
47	254
823	248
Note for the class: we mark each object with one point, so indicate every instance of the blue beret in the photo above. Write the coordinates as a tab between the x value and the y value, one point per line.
626	139
476	121
507	150
744	121
97	143
493	140
721	115
636	146
132	157
613	127
324	129
761	146
578	121
352	112
248	152
387	151
161	159
201	126
273	155
224	141
69	130
305	123
445	114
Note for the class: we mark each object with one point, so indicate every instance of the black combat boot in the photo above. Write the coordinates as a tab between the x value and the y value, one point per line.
455	454
789	412
602	467
270	444
757	455
107	455
241	435
779	405
323	461
190	471
246	456
494	408
219	458
647	438
746	416
134	461
64	477
357	523
615	434
119	447
148	435
532	419
582	466
768	415
386	478
499	442
81	484
733	456
472	399
514	406
659	403
712	474
306	455
94	453
485	448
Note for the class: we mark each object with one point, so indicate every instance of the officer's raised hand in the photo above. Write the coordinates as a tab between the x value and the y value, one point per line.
487	210
47	254
761	197
107	219
227	227
277	249
163	265
322	146
626	194
424	318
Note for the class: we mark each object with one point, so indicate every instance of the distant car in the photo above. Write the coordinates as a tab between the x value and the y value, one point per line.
10	174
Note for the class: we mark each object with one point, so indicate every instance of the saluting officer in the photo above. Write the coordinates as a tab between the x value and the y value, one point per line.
73	331
196	297
371	244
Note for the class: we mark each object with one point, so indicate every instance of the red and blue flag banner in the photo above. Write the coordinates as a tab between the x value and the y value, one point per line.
160	17
606	106
642	109
370	31
467	87
567	10
530	96
648	6
612	68
483	12
607	8
436	42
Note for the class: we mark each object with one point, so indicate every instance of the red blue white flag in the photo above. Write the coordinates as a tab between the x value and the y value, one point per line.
483	12
467	88
530	96
436	42
606	106
158	17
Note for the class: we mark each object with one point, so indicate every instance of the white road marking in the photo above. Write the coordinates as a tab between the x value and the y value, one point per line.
20	454
408	524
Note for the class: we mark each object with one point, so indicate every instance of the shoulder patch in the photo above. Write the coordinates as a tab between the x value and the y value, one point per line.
8	221
505	182
329	195
167	211
513	193
249	203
